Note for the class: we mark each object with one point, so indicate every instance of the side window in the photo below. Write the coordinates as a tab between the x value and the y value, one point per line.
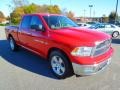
26	22
101	26
36	21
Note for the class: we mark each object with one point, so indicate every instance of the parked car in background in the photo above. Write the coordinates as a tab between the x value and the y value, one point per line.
83	25
111	29
93	23
117	23
58	39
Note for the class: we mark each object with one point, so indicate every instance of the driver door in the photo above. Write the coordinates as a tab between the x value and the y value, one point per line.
37	36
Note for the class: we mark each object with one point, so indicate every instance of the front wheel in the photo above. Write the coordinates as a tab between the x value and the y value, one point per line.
60	65
115	34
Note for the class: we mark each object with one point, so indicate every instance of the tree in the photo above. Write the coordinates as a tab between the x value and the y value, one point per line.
70	14
105	18
53	9
30	9
42	9
112	17
1	15
16	15
18	12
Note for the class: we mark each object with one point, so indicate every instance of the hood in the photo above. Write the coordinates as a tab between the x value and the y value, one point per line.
78	36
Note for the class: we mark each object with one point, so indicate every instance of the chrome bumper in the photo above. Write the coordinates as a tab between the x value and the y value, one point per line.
90	69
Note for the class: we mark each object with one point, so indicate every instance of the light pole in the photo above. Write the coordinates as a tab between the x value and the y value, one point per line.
116	11
94	15
10	14
84	14
90	6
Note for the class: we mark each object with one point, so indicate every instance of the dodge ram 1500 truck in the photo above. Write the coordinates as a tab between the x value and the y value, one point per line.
69	48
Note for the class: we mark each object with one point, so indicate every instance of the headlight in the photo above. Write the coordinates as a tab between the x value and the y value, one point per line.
82	51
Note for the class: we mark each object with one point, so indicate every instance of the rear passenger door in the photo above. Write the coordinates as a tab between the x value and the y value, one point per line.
24	33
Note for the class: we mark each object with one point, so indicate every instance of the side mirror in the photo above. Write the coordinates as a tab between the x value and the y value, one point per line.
37	27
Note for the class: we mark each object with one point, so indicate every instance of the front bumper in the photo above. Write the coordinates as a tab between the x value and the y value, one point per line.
90	69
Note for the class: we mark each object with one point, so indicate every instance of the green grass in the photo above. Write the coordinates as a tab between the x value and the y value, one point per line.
3	24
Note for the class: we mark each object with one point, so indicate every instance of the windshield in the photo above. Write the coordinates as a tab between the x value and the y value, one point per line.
57	22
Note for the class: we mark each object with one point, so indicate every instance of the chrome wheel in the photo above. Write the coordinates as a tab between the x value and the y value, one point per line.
115	34
58	65
12	46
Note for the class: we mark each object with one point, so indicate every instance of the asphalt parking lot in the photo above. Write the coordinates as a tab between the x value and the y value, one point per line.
24	70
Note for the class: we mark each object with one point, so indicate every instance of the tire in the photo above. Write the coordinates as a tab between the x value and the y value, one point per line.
13	45
115	34
60	65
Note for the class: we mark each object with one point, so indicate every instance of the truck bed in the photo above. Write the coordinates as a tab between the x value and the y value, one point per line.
11	30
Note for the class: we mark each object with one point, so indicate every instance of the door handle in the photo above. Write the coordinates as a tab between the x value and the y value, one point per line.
20	32
28	33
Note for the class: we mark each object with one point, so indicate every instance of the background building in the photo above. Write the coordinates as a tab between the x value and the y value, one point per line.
88	19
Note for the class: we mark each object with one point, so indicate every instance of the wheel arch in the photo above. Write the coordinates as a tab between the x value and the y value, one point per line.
56	49
9	35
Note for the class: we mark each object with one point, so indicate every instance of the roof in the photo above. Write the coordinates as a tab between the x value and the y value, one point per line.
44	14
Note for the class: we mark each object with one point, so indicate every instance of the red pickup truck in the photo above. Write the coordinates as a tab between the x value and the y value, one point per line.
69	48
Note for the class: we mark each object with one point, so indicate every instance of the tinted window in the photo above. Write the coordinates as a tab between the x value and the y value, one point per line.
36	20
26	22
102	26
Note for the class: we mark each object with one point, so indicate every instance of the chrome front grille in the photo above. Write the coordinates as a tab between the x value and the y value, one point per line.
102	47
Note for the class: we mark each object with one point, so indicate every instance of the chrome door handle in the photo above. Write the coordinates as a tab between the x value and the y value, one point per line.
28	33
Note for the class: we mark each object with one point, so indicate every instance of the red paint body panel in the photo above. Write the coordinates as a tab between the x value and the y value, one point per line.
65	39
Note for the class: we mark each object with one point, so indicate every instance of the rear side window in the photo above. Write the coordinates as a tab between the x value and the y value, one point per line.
26	22
36	20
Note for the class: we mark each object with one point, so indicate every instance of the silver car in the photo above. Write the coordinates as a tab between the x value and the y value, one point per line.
83	24
111	29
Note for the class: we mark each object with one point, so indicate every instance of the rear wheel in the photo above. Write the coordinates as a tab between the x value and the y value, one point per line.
115	34
60	65
13	44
